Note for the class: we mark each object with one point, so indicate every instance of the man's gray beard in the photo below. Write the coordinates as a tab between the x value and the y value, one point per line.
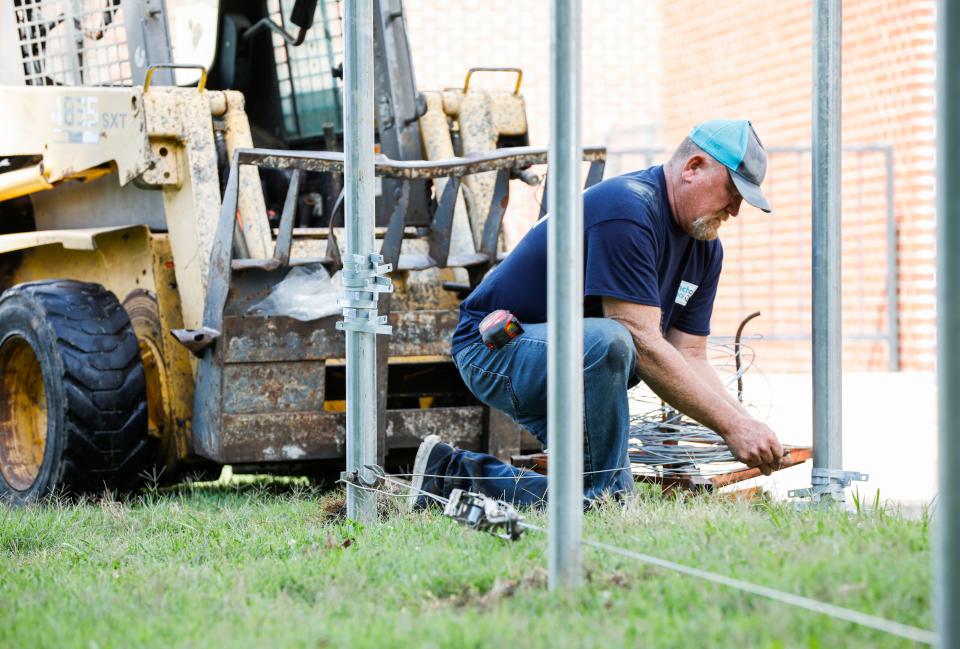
701	230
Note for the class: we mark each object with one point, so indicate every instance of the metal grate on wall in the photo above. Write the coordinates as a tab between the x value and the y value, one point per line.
73	42
310	95
767	258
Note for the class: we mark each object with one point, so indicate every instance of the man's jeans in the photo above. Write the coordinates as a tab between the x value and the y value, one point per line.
513	379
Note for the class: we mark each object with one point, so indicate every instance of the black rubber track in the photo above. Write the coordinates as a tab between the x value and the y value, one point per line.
97	399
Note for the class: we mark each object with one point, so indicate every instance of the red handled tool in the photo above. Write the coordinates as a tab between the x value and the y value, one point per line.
499	328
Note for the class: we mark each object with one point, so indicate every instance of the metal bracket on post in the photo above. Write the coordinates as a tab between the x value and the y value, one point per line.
830	483
354	478
364	278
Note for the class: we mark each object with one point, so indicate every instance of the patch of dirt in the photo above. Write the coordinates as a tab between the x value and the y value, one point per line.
502	588
333	509
536	578
615	579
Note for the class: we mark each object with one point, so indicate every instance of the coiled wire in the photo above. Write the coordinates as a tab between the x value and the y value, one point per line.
666	443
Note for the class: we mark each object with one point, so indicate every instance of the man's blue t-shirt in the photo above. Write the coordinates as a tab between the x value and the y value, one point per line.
633	249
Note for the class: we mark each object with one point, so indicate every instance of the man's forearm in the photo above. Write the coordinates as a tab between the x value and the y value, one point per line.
709	376
688	387
667	372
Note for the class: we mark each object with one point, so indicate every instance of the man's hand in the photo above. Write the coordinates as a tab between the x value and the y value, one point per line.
755	444
677	369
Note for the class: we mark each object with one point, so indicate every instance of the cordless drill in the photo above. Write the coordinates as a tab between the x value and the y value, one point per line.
499	328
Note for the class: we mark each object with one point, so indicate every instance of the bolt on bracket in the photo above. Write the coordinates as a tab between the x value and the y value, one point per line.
830	483
356	479
196	340
364	278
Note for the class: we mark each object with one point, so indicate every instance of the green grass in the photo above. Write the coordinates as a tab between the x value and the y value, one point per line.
274	564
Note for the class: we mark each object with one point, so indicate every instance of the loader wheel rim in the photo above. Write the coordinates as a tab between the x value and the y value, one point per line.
23	414
156	388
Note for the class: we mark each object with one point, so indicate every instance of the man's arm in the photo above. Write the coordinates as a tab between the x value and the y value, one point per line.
694	352
669	374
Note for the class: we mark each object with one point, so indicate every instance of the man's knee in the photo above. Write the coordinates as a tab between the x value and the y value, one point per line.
608	345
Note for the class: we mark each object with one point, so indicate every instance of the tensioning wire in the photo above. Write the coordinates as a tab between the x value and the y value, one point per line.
899	629
524	475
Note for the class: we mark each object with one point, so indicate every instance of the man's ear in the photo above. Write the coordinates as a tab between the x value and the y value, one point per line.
695	164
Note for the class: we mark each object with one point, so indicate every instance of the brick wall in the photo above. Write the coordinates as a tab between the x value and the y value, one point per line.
653	69
753	59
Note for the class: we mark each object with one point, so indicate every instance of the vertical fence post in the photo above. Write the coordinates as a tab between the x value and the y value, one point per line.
947	519
359	211
893	271
827	340
565	300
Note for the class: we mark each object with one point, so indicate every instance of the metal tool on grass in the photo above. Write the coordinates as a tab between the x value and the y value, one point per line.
475	510
484	514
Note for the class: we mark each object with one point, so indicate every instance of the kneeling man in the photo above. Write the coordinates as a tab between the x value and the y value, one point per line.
652	261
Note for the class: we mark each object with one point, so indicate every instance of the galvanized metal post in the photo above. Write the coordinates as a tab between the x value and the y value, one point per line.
565	300
893	271
359	206
947	517
827	335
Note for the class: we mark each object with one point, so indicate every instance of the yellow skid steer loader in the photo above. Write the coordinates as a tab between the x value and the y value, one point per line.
165	166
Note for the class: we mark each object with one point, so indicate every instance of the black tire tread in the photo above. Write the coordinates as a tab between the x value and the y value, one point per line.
106	444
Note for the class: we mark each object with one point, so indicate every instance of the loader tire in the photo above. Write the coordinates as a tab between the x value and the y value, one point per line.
73	398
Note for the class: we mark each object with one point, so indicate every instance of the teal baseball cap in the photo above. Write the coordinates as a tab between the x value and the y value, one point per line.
734	144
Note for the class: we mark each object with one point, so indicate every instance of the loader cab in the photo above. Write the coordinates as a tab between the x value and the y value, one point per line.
287	65
286	57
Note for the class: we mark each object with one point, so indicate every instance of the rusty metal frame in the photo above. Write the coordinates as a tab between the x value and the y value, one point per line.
510	158
207	406
506	162
498	206
441	225
594	175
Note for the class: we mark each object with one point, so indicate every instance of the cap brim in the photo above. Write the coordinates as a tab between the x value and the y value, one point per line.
750	192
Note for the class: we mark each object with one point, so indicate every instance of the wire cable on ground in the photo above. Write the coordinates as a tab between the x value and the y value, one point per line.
863	619
874	622
524	474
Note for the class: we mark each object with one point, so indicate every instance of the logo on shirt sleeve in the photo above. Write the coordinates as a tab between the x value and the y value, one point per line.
685	292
